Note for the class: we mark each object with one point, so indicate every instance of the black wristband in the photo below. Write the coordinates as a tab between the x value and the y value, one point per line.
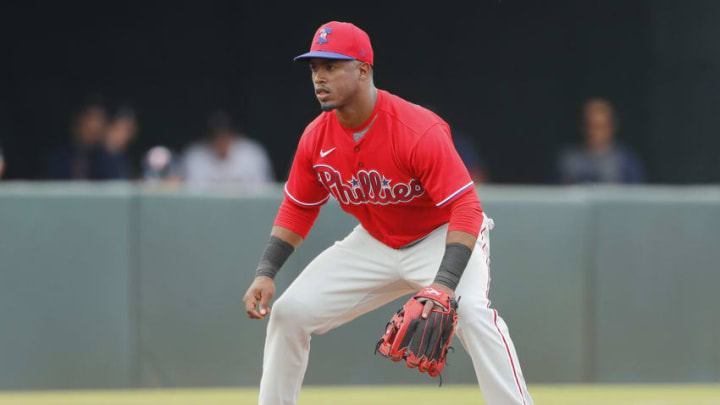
453	265
276	253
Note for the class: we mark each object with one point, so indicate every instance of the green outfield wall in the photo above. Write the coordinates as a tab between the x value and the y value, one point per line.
114	285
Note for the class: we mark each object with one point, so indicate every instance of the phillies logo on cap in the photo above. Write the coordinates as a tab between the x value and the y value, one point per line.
348	42
322	37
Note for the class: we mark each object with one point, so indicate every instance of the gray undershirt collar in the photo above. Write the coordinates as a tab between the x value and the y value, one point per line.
358	135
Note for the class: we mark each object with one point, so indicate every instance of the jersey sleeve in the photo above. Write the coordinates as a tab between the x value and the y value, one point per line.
296	218
438	166
303	187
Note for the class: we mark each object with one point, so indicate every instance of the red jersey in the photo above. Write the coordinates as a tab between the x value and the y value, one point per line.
398	173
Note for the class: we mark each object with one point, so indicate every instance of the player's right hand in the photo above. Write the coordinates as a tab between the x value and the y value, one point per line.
260	293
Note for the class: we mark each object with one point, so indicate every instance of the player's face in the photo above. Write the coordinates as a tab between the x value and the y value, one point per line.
335	81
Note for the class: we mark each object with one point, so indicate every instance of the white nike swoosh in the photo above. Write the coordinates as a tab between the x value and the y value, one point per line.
323	154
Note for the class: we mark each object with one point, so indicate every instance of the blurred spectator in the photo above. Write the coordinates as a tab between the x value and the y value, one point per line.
86	156
160	165
2	163
120	132
227	157
600	159
467	150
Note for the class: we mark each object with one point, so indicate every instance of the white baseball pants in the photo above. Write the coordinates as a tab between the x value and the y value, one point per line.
359	274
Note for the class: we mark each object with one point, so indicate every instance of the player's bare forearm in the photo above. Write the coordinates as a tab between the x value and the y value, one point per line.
287	235
461	237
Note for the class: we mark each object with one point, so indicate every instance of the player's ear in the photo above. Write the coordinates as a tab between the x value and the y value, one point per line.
365	70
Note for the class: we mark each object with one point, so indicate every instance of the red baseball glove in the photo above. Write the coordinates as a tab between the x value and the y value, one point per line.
422	343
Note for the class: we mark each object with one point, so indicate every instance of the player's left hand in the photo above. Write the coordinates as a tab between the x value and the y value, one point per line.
430	304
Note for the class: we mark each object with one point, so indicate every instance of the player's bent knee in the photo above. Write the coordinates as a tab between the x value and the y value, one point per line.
288	311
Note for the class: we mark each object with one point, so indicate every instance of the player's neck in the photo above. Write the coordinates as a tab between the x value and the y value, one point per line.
355	114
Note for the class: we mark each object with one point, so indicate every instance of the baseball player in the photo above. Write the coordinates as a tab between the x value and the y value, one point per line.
392	165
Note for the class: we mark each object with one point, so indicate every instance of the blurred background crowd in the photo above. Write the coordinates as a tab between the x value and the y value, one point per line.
555	93
99	148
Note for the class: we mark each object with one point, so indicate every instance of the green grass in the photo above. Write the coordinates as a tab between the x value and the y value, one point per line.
380	395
